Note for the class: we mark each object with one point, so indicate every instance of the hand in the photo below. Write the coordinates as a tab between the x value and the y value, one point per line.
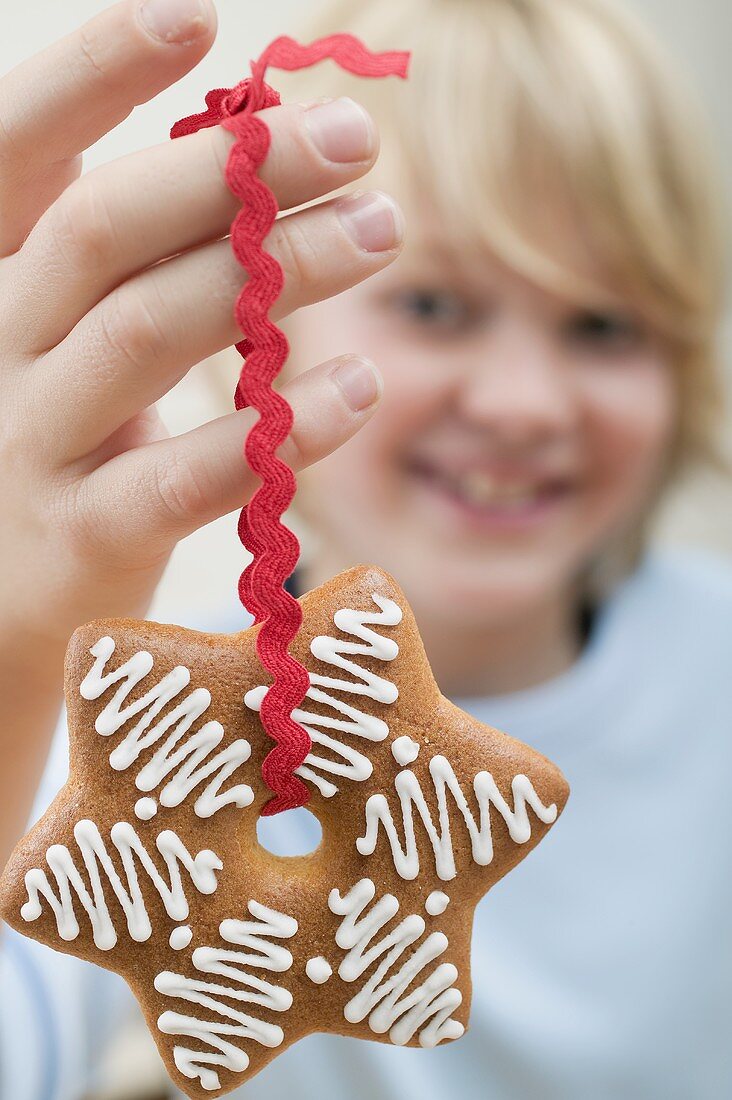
113	284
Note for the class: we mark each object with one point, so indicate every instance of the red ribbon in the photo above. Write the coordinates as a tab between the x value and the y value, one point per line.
274	549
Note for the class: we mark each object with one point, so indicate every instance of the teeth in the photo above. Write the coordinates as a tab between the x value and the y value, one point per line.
475	487
480	489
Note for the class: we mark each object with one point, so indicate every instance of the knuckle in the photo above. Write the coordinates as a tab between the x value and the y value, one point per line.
131	332
92	58
296	452
293	158
180	490
83	225
299	256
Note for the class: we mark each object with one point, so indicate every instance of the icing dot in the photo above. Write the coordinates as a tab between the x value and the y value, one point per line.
180	937
145	808
436	903
405	750
318	970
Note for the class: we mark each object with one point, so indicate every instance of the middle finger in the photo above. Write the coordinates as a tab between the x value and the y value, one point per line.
137	343
134	212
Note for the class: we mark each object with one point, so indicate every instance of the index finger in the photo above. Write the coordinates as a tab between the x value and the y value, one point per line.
55	105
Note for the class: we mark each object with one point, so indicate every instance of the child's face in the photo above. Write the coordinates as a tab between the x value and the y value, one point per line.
517	432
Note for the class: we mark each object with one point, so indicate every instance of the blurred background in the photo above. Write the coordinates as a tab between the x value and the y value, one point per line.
699	32
205	566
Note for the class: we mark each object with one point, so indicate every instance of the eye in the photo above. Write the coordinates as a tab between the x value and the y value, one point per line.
604	331
434	309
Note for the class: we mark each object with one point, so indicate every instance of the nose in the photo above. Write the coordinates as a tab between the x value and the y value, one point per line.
518	385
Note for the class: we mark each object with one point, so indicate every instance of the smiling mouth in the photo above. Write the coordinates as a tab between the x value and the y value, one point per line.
481	496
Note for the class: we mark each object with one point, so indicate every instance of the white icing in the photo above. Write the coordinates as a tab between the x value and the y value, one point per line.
318	970
239	985
201	869
407	785
184	765
146	808
181	937
384	998
346	761
405	750
436	903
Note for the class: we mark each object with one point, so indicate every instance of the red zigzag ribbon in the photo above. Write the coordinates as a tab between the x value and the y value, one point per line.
275	549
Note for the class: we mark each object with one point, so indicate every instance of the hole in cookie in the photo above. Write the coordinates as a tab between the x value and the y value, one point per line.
292	833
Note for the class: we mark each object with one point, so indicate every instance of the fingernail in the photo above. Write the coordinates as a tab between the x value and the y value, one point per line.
341	130
175	21
372	220
359	382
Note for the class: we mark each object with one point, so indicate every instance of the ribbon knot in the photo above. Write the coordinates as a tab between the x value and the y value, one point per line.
251	94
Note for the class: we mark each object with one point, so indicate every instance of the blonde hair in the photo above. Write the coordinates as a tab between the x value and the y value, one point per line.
512	105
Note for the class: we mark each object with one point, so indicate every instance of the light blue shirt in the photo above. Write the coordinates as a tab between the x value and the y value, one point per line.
602	965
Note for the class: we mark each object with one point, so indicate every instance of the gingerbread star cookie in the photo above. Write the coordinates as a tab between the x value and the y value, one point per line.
148	862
